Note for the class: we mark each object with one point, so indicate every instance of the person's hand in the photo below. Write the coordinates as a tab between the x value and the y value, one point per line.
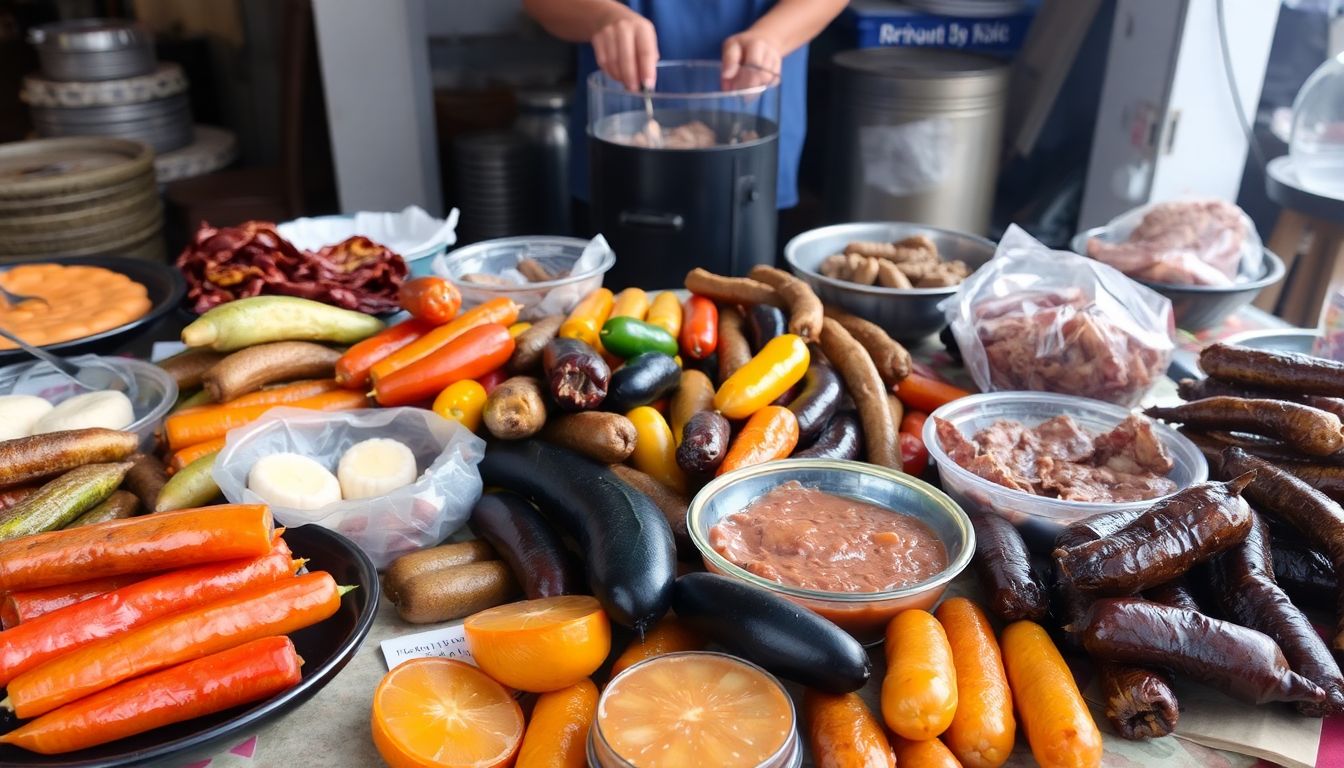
750	59
626	46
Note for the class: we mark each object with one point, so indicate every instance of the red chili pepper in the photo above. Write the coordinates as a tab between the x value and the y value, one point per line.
277	608
926	394
699	328
352	369
475	353
250	672
914	456
913	422
493	379
46	637
432	299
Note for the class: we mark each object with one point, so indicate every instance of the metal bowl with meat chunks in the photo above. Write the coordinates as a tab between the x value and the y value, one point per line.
1044	460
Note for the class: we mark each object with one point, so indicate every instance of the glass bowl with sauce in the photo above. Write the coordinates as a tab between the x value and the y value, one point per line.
854	542
695	708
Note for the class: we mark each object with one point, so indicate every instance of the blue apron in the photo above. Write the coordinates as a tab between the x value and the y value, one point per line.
696	29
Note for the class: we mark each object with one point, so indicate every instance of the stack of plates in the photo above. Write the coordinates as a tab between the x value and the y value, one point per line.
494	187
152	108
78	197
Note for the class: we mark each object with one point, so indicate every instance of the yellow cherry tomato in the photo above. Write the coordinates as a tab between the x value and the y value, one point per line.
779	365
517	329
665	312
463	402
632	302
655	451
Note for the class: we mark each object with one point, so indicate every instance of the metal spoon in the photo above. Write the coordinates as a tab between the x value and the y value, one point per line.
95	378
14	299
651	128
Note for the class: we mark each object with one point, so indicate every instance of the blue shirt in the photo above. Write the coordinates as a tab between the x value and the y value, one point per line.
696	29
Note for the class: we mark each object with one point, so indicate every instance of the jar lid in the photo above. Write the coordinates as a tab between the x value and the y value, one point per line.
923	72
90	35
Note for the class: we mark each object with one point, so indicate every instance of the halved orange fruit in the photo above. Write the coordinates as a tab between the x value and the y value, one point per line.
540	645
442	713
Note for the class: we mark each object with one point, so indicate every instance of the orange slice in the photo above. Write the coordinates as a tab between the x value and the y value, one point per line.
695	709
441	713
540	645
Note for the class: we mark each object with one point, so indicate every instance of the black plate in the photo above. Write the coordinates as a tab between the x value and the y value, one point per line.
326	648
163	283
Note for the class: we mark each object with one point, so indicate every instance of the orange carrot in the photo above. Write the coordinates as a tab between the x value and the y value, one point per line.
144	544
285	393
352	370
557	732
667	636
19	607
36	642
193	452
250	672
187	429
983	730
844	733
277	608
919	693
501	310
1058	725
925	394
771	433
930	753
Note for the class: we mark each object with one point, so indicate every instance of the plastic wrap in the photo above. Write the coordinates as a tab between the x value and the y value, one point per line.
1050	321
1182	242
419	515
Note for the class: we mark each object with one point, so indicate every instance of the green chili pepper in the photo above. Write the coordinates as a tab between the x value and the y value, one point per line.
626	337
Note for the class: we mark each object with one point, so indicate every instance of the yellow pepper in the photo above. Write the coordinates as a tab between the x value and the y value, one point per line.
779	365
655	453
463	402
517	329
586	320
665	312
632	302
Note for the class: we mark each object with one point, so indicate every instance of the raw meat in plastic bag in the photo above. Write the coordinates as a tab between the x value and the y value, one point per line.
1182	242
1050	321
419	515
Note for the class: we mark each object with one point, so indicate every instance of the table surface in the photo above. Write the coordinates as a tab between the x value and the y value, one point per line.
335	723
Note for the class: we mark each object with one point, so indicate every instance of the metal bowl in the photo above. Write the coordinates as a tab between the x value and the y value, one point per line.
863	614
906	313
1199	307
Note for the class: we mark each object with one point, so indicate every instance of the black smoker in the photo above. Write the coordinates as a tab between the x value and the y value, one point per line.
665	209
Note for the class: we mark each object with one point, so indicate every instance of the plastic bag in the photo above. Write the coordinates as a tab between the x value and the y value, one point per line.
1182	242
1036	319
419	515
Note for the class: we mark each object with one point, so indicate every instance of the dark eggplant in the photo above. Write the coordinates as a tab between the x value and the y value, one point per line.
576	375
528	543
765	322
841	439
642	380
778	634
817	401
704	442
628	546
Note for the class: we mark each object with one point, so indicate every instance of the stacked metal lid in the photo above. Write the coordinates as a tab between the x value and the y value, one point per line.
78	197
99	78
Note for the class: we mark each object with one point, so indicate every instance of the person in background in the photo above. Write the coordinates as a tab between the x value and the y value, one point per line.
626	41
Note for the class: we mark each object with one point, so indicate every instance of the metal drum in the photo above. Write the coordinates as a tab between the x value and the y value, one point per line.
915	136
93	49
707	202
543	122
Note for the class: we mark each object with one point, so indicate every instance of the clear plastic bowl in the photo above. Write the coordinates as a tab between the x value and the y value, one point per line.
1040	518
154	391
863	614
494	257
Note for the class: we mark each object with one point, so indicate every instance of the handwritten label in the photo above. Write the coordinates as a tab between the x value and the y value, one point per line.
448	642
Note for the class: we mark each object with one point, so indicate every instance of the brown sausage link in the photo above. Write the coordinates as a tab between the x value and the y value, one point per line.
865	386
1175	593
892	359
1139	702
731	290
695	393
734	349
1212	443
1287	371
1306	429
1199	389
1241	662
1305	574
704	442
1326	478
1164	542
805	312
576	375
1004	566
531	343
1243	580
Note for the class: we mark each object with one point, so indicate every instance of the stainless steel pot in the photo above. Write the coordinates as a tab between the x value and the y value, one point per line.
93	49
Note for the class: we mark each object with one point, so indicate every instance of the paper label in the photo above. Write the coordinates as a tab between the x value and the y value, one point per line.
448	642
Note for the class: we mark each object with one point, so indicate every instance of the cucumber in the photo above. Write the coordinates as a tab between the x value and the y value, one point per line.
261	319
120	505
642	380
631	557
192	486
57	503
778	634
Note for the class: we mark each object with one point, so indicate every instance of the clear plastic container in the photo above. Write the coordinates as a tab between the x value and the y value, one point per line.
768	701
863	614
495	257
152	393
1317	142
1038	517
